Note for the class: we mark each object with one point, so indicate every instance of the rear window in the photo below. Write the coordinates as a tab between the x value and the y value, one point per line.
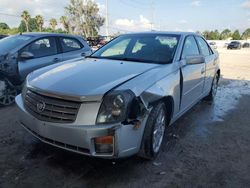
70	44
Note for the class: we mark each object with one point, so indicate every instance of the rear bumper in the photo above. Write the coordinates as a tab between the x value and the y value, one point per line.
80	138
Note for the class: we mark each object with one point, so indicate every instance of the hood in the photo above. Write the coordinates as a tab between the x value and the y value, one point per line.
88	77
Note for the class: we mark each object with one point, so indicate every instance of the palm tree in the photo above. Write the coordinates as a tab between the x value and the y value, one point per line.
64	22
53	23
26	17
39	22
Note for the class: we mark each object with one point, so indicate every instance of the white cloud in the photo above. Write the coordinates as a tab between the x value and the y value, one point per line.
133	25
196	3
183	21
125	22
246	4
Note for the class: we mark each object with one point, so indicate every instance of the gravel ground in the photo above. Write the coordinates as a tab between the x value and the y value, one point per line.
207	147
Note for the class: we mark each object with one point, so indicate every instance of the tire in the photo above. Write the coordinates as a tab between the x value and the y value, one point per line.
8	92
154	132
213	89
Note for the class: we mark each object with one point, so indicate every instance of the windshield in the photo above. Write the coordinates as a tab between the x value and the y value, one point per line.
8	43
146	48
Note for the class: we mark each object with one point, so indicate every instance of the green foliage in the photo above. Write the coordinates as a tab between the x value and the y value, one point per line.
26	18
225	34
39	22
246	34
11	31
53	23
4	26
84	18
212	35
64	21
32	25
236	35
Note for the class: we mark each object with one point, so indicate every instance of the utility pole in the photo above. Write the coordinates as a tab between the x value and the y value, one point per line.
107	20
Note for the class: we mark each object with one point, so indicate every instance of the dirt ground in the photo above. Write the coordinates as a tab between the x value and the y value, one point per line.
207	147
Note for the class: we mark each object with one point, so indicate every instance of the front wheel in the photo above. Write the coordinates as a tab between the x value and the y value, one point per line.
7	93
154	132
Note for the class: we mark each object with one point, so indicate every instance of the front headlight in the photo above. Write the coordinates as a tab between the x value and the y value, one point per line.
115	107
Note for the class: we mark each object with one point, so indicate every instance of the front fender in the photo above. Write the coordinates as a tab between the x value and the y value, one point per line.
168	86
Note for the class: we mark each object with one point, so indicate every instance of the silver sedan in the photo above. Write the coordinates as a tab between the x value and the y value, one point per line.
119	101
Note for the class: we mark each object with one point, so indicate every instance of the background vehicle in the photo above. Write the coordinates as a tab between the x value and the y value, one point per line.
246	45
213	45
234	45
24	53
2	36
143	83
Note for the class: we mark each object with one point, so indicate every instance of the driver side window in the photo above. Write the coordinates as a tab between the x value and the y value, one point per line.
42	47
190	47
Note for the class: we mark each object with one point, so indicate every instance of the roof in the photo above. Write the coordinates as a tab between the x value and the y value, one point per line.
166	32
39	34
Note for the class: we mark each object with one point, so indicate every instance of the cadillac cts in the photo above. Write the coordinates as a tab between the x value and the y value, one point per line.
119	101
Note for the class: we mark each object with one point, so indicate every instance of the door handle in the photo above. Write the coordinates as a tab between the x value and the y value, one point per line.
56	60
83	54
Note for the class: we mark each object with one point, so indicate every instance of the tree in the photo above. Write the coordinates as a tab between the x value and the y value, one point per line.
39	22
26	17
4	26
225	34
236	35
65	23
32	25
206	34
84	18
246	34
53	23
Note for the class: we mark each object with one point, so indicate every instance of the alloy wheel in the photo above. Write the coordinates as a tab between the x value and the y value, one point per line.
7	93
159	130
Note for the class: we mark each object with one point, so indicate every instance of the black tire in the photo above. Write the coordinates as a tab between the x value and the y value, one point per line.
147	149
8	92
213	89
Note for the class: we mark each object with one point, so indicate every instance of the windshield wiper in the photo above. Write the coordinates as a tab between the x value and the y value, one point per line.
135	59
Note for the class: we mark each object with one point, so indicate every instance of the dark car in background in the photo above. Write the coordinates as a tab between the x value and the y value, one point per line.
234	45
24	53
246	45
3	36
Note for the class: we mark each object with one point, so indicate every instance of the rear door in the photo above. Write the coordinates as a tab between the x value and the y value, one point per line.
193	75
73	48
210	62
45	53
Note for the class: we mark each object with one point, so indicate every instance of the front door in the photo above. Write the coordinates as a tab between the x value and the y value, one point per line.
193	75
45	53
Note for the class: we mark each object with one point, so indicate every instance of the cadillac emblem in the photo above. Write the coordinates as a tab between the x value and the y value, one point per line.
40	107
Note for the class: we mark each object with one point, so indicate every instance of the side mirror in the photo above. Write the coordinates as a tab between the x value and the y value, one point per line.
26	55
192	60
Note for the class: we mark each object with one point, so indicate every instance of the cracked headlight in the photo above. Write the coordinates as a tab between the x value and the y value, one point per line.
115	107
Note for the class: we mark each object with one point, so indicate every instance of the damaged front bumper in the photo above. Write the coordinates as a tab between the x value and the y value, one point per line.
126	139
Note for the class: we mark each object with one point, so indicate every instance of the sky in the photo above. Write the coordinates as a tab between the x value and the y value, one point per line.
143	15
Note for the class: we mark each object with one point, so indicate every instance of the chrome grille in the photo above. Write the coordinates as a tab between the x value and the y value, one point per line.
51	109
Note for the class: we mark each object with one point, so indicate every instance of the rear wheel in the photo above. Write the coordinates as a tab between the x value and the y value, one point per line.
154	132
7	93
214	88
